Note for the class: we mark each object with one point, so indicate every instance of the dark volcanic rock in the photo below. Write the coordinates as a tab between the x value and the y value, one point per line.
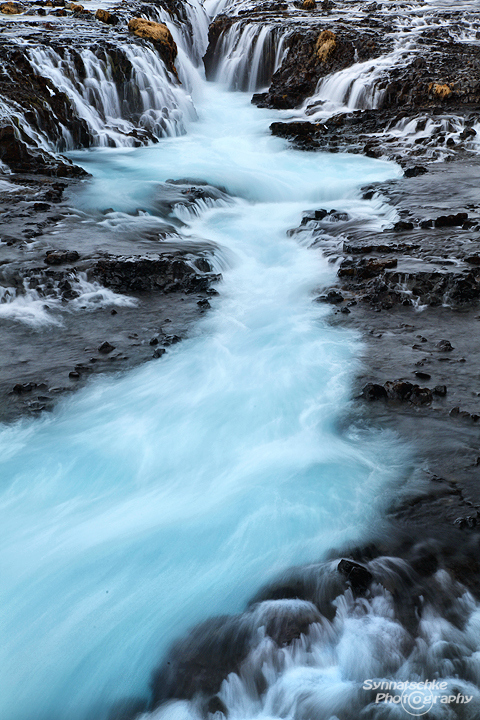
22	159
444	346
365	268
313	54
415	171
451	220
198	664
373	391
106	348
202	661
357	575
400	390
165	273
446	74
59	257
333	296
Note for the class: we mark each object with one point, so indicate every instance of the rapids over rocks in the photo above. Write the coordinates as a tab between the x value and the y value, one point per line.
222	532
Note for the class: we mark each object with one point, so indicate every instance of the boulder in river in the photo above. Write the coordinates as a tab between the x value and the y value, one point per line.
107	17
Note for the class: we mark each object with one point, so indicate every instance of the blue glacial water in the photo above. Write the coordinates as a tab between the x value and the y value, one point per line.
155	499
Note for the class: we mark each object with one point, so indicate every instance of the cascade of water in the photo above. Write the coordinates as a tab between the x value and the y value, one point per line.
117	109
190	31
346	666
247	55
12	112
358	87
27	304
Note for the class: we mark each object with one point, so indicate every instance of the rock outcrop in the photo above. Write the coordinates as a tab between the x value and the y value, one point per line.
107	17
311	56
12	8
160	35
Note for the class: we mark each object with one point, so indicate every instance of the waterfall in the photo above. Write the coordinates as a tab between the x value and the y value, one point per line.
361	86
12	112
189	30
121	91
247	55
358	87
120	107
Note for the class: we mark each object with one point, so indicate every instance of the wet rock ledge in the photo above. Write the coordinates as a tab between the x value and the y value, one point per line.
396	81
87	292
77	300
413	290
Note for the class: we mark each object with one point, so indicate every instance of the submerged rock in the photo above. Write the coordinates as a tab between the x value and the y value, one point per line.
357	575
106	348
59	257
374	391
444	346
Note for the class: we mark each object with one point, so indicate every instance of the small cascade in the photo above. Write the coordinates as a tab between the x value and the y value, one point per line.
13	113
247	55
362	86
358	87
376	657
39	302
354	88
125	96
190	30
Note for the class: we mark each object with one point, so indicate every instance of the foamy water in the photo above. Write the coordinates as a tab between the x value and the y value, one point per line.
154	500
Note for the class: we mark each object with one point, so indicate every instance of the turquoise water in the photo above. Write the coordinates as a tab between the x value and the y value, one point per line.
155	499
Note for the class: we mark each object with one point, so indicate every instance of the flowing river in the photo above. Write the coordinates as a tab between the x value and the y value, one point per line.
153	500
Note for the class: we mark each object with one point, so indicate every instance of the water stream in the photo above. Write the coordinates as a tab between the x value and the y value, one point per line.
156	499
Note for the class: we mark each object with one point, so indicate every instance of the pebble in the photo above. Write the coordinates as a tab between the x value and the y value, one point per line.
106	348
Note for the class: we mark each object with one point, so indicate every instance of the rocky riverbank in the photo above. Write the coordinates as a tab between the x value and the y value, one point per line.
80	297
398	81
412	290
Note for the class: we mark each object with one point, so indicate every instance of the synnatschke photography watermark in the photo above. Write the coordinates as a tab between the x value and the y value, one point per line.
416	698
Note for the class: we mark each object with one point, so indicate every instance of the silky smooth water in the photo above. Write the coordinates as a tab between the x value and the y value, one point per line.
153	500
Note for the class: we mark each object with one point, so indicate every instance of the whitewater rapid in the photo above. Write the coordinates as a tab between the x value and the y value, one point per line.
155	499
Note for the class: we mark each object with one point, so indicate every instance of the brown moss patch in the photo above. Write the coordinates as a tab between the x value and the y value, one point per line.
325	45
150	30
11	8
160	35
106	17
441	91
